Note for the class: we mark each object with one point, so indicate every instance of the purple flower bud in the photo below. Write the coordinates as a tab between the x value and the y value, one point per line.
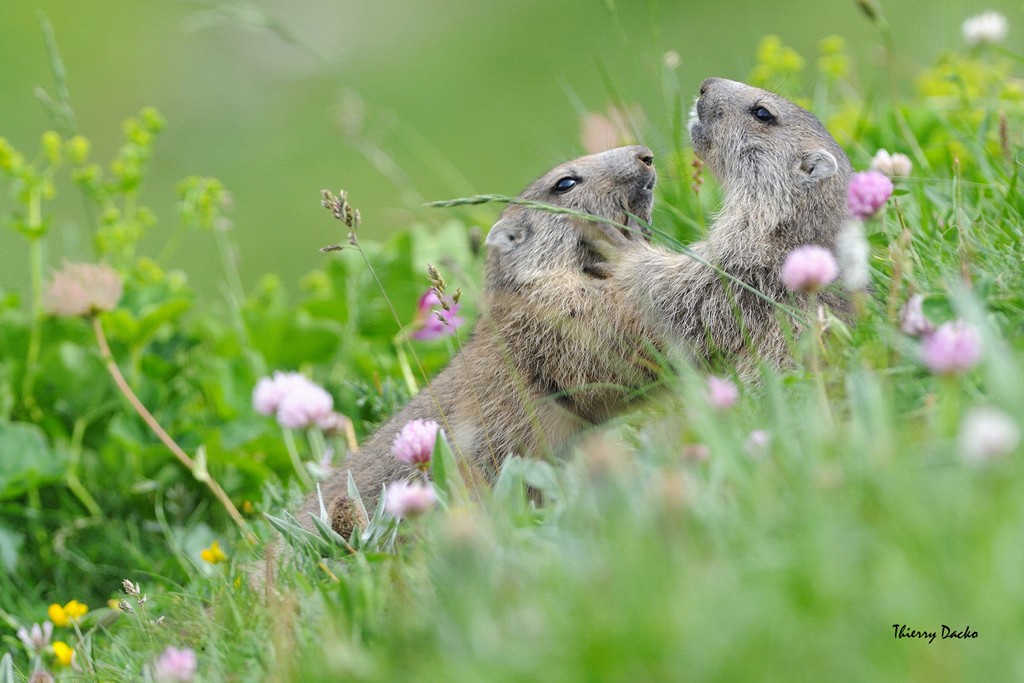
809	268
868	192
913	321
38	637
953	348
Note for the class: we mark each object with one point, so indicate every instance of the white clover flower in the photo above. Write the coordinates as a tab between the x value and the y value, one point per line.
987	27
853	251
987	433
893	165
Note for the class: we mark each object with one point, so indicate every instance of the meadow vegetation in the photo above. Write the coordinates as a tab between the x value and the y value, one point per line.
786	532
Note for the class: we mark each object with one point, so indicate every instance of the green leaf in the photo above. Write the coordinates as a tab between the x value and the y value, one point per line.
290	340
10	543
7	669
26	460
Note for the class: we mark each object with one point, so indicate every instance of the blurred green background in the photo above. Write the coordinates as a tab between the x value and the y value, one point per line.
397	102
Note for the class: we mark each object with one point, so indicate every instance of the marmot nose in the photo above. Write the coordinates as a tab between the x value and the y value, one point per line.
706	85
647	159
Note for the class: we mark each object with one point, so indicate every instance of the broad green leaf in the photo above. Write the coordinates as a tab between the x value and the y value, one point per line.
26	459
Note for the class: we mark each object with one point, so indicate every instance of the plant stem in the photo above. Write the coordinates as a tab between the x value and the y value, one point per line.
403	364
235	290
293	455
35	322
72	480
151	422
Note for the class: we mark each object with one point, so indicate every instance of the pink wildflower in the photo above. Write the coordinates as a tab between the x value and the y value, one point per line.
809	268
913	321
953	348
868	192
38	638
408	499
427	323
297	401
83	289
414	444
175	666
722	393
270	391
305	406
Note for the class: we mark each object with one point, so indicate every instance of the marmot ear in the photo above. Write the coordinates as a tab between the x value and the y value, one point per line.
506	234
819	165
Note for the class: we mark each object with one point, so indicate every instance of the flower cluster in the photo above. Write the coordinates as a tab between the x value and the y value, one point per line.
809	268
36	639
83	289
435	318
297	401
893	165
175	666
987	434
867	194
403	499
722	393
953	348
70	613
987	27
414	444
214	554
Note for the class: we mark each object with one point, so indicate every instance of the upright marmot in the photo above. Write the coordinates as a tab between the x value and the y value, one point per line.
785	181
543	361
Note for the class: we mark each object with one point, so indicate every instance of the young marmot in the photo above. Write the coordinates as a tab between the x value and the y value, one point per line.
785	181
542	363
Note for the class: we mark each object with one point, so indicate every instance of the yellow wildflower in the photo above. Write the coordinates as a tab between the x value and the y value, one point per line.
64	653
213	554
69	613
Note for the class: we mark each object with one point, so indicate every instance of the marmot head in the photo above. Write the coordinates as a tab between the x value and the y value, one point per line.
768	152
527	242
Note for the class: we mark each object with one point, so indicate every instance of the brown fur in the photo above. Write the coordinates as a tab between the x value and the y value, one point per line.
785	185
543	362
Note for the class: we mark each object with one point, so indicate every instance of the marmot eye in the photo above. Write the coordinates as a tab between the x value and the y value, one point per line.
565	184
762	114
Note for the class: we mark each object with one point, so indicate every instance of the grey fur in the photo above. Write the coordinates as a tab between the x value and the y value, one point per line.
542	364
785	183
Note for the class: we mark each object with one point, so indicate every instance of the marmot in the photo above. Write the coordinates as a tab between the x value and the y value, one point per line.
542	362
785	182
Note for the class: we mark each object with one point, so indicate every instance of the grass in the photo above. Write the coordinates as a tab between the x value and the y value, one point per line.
669	546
